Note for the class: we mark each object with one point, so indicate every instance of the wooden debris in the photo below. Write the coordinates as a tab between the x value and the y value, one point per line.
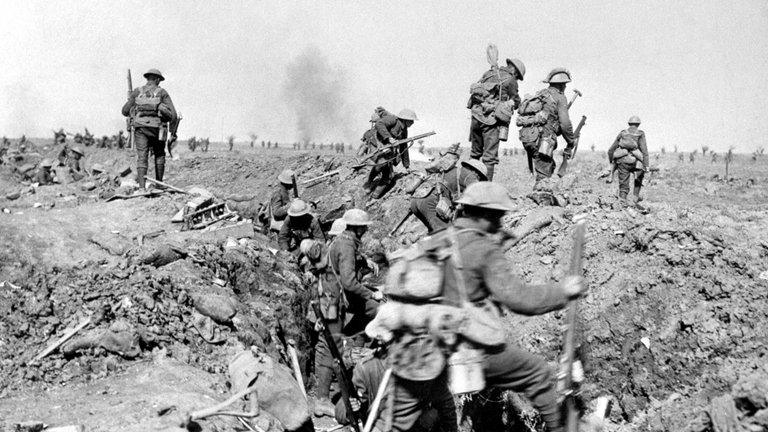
61	340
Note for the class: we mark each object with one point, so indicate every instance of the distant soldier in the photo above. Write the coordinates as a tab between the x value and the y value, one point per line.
433	203
545	116
692	157
206	144
262	144
389	130
299	225
253	140
44	176
714	157
104	142
231	142
492	102
23	141
120	139
73	163
269	144
151	109
60	137
630	154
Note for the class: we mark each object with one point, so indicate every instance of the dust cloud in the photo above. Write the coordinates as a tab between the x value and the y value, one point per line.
317	92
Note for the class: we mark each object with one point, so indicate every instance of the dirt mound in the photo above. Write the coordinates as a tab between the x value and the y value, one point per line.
673	328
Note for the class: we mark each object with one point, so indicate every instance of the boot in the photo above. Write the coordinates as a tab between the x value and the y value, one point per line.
159	171
140	174
323	378
636	193
490	169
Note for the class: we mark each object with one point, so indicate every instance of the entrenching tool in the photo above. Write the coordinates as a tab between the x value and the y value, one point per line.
345	382
320	177
576	93
381	149
577	135
166	185
569	343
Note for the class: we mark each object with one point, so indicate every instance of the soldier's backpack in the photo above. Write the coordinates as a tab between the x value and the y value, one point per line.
629	140
532	117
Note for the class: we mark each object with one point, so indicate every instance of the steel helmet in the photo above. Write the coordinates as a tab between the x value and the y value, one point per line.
478	167
357	217
154	72
407	114
634	120
78	150
487	195
298	208
337	227
518	64
374	118
558	75
310	248
286	177
46	163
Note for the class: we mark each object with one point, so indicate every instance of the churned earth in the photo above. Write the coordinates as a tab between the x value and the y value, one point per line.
674	329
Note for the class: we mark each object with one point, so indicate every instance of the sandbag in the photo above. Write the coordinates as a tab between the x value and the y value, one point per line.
218	307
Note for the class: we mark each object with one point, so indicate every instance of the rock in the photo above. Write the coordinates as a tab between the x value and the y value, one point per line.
97	168
13	196
751	393
124	170
114	244
723	414
218	307
278	392
197	190
88	186
164	254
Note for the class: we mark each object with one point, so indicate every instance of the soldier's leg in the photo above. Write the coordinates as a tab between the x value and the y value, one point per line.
544	166
158	148
639	176
425	209
476	139
413	398
521	371
624	171
141	142
325	365
491	149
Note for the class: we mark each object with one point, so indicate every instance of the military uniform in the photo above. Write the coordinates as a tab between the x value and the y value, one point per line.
43	176
449	185
388	127
631	158
488	276
279	202
366	378
296	229
558	123
150	107
500	86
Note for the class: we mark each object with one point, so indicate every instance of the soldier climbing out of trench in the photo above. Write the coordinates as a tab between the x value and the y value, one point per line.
474	277
629	152
299	225
389	129
151	111
347	304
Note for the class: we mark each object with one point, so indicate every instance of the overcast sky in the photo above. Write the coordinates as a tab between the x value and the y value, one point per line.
693	71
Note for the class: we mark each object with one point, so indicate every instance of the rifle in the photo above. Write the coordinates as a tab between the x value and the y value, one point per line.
401	223
173	126
575	269
529	155
128	122
577	135
362	163
345	382
295	187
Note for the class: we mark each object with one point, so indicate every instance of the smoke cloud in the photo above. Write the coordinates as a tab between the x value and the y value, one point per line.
317	92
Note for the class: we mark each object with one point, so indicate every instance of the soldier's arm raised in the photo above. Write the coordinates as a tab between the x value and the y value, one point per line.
526	299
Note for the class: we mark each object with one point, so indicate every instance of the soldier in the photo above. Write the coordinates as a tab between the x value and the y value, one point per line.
150	108
488	280
346	268
337	227
43	176
630	153
496	86
120	139
370	143
73	162
206	144
433	213
299	225
367	377
231	142
281	197
557	122
389	130
88	138
714	157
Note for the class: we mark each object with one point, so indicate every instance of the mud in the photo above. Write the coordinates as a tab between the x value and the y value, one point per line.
673	330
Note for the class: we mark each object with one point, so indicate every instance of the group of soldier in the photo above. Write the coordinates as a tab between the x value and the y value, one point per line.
87	139
340	275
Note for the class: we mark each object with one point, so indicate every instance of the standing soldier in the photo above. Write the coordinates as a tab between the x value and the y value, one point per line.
346	268
544	117
435	208
281	199
494	98
150	108
389	130
299	225
369	138
231	142
488	281
630	154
